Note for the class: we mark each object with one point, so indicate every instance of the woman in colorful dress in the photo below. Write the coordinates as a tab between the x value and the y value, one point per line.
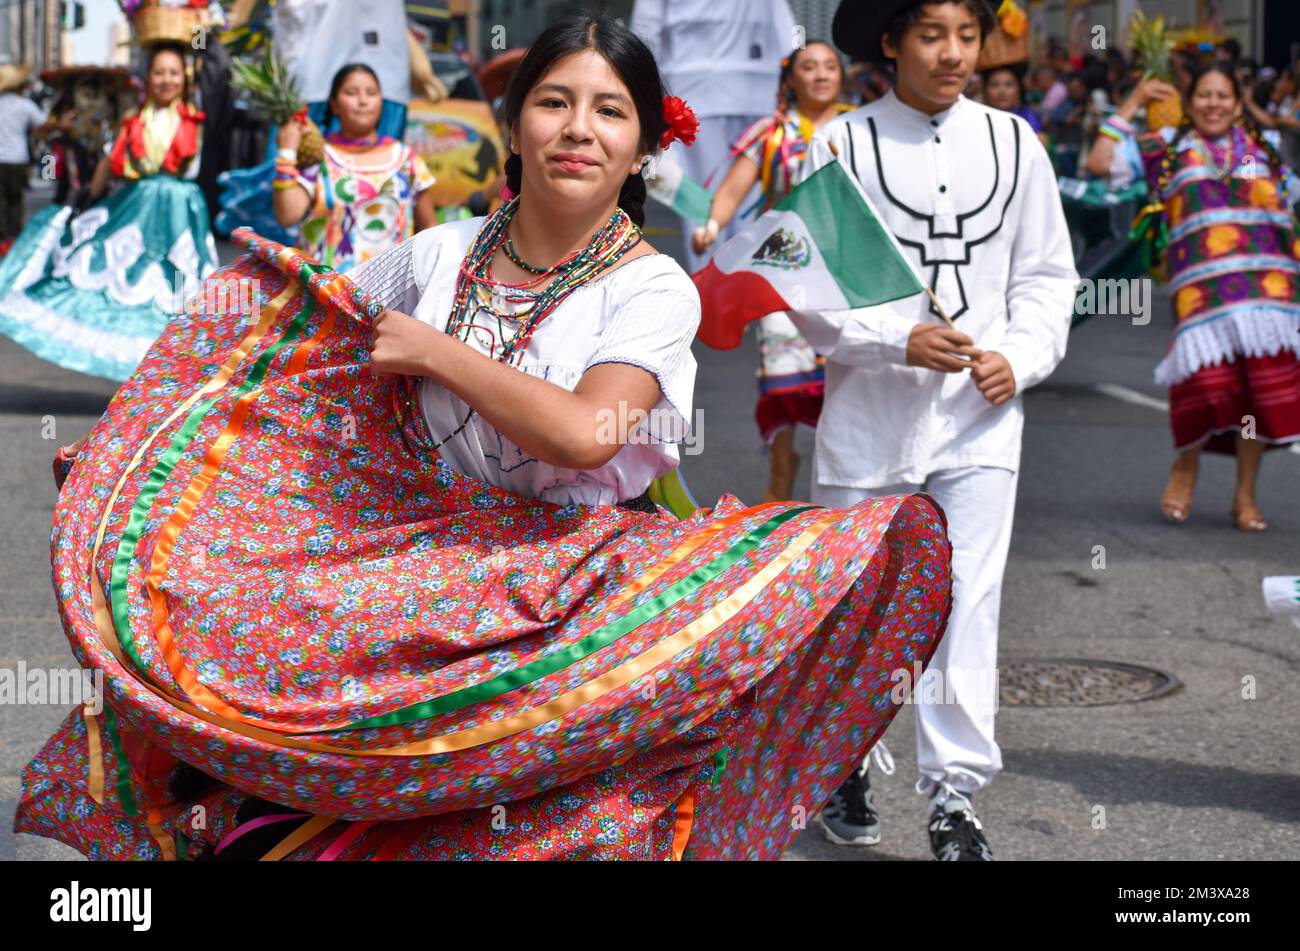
1222	201
791	377
91	291
397	590
791	380
368	194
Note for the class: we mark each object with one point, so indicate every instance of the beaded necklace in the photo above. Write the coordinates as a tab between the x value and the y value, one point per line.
1221	170
509	248
477	289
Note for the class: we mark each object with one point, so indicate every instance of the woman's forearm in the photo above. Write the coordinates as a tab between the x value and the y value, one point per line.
1101	155
290	205
740	179
550	423
99	181
1263	117
426	215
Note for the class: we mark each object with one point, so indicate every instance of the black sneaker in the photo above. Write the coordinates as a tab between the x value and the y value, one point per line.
850	817
956	835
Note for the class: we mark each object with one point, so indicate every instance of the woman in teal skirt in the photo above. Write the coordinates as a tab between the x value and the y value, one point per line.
91	291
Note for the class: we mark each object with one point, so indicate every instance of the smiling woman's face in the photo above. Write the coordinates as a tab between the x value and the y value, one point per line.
1213	105
166	78
817	77
578	135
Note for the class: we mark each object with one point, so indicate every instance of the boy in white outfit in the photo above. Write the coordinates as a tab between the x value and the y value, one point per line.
913	405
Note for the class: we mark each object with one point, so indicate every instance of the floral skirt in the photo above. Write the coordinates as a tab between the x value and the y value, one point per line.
289	591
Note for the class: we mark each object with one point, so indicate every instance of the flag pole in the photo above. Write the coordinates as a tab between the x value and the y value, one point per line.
933	299
939	307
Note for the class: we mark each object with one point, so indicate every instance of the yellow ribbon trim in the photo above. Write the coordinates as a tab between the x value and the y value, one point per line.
498	729
180	517
165	840
94	757
299	837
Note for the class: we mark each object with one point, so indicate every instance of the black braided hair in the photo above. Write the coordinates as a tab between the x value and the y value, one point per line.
1275	161
1171	154
631	61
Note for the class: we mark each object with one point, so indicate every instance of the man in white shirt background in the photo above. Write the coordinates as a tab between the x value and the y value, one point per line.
724	58
913	405
19	118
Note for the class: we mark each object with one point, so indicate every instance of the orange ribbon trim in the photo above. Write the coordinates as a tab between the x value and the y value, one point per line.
619	676
682	828
299	837
184	511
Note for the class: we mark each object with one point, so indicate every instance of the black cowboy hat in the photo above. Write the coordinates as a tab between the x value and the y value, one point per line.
859	25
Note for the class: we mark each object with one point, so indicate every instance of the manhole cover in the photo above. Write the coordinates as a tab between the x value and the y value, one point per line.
1080	683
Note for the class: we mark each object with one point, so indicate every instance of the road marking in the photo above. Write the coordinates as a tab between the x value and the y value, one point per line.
1124	394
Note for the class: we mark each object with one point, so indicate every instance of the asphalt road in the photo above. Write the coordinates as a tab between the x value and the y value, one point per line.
1199	774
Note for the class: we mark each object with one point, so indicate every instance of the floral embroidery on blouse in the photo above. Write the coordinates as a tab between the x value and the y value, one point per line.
363	202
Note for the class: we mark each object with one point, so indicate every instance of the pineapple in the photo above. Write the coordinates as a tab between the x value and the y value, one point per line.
274	94
1154	47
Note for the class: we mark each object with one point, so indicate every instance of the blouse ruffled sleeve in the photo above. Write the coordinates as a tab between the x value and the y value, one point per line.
390	277
653	328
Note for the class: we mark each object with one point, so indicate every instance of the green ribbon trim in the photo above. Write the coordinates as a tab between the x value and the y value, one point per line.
130	540
125	795
720	765
511	680
520	676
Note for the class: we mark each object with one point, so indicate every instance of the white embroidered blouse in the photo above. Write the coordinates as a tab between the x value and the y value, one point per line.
644	313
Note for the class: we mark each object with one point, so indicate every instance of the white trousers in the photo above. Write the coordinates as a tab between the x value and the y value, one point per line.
955	709
709	156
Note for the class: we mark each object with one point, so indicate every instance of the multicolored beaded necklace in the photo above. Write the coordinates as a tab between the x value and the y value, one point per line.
1234	153
476	289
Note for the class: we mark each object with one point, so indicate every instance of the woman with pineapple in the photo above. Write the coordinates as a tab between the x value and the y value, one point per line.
1221	221
357	193
91	291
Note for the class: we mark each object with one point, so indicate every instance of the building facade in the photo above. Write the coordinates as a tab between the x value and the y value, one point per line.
30	33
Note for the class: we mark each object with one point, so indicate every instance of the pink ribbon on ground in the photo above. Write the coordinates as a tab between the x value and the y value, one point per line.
257	824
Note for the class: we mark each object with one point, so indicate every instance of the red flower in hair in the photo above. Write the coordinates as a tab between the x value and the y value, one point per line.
683	126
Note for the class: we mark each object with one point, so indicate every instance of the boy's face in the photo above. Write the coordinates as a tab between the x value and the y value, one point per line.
937	55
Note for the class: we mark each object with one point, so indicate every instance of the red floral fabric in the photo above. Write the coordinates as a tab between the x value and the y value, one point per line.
283	563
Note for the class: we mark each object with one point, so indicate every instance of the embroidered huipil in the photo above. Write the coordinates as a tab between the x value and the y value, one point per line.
1234	254
363	200
972	198
644	313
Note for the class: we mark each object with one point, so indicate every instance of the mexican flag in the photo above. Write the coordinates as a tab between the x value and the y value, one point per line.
668	184
821	248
